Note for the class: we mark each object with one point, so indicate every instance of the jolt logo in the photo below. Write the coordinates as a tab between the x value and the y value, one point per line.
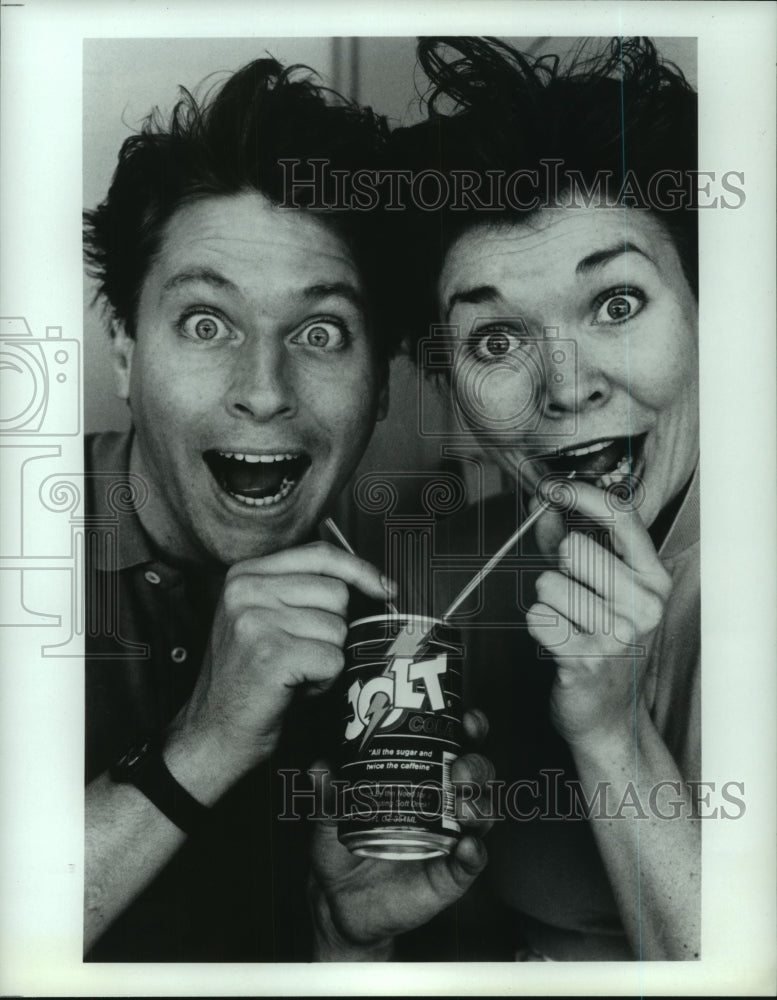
405	686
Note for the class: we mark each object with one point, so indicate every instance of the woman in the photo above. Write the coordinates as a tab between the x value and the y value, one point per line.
566	277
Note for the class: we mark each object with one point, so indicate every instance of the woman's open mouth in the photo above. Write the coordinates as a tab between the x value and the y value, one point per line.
604	462
258	479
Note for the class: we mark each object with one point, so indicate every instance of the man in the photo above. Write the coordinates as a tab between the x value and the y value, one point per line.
247	347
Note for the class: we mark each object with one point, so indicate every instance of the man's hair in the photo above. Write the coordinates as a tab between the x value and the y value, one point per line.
229	143
622	112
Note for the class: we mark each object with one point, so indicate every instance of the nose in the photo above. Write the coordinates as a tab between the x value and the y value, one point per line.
262	385
574	379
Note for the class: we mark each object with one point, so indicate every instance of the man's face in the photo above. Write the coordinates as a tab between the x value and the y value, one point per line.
252	380
611	390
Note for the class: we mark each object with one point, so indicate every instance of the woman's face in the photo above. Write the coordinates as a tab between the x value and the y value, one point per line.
577	348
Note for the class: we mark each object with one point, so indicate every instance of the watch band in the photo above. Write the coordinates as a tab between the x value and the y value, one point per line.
144	767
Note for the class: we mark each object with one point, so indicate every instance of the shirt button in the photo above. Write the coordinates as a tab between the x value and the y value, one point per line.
152	577
179	654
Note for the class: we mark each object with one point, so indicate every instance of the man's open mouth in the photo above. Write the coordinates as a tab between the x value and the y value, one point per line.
604	462
257	480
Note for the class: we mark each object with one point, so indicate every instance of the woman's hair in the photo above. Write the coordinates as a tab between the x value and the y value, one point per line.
233	141
618	128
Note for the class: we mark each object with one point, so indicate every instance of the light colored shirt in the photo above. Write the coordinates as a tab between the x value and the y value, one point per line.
546	872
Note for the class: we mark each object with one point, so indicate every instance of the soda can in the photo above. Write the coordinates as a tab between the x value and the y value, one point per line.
401	734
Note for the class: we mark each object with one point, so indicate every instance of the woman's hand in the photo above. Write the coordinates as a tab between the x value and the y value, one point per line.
595	615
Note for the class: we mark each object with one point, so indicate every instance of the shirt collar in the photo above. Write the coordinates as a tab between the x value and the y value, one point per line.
685	528
116	494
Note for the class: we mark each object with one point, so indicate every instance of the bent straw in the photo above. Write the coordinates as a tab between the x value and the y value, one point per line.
483	572
348	548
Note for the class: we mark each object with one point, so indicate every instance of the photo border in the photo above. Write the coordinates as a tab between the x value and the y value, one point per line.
41	719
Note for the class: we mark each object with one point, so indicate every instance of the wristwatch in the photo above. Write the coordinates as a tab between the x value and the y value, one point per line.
143	766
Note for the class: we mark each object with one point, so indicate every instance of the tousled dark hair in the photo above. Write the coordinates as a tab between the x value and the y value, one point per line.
230	142
493	108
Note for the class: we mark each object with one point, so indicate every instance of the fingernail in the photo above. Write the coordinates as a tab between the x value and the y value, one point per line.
388	585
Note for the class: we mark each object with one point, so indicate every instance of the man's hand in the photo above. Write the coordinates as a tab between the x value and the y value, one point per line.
279	625
361	904
588	614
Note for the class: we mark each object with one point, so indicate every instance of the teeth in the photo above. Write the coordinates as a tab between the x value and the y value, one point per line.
618	475
253	459
599	446
286	487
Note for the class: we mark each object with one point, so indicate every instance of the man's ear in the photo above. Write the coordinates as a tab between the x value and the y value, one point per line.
383	398
122	347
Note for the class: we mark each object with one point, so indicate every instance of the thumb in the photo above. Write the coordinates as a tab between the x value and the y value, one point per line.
456	873
550	530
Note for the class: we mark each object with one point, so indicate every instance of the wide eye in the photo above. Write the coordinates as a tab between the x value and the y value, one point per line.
619	305
204	327
324	334
492	344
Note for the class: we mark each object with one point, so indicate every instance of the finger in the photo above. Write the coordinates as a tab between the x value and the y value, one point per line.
570	600
549	530
470	857
316	688
627	588
475	725
573	601
630	536
312	624
473	768
322	559
296	590
632	594
626	597
583	559
573	648
548	627
311	662
273	595
452	876
287	629
472	776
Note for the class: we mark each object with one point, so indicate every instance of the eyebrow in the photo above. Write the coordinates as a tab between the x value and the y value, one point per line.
335	289
602	257
490	293
215	279
472	296
204	275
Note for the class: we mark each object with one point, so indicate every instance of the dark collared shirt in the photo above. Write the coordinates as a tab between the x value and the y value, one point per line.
236	891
